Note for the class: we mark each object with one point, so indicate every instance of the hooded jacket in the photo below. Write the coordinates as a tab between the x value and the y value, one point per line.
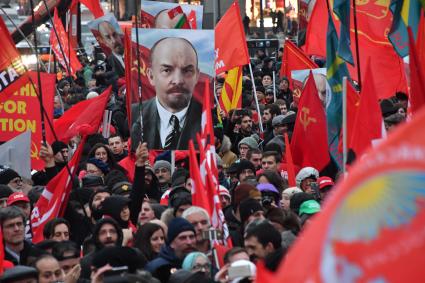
161	266
87	260
227	156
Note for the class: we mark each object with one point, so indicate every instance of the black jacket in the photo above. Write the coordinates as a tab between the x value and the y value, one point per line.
151	125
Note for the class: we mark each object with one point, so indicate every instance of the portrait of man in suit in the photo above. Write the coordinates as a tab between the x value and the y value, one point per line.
112	39
173	116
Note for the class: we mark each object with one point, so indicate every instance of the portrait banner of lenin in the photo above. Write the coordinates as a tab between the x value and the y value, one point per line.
175	64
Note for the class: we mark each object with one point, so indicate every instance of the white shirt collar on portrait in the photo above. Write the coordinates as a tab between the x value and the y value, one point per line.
165	115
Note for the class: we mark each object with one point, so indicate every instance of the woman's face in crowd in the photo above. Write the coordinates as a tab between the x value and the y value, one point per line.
125	213
263	180
201	264
101	154
146	214
157	240
285	202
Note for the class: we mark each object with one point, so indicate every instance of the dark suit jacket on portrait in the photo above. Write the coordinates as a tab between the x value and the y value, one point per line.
151	125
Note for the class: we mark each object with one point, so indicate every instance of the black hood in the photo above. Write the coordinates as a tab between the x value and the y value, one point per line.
99	225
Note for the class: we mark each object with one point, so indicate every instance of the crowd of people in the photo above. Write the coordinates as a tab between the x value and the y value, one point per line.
141	226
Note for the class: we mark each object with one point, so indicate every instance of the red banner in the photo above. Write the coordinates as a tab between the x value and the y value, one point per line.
20	111
67	56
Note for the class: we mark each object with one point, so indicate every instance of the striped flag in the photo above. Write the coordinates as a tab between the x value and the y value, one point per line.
231	93
406	13
336	69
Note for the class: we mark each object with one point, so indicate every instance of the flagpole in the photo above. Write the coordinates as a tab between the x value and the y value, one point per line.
256	99
274	86
139	82
40	94
57	36
344	124
356	33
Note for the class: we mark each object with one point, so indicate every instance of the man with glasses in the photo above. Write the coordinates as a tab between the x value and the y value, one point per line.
162	170
11	178
16	249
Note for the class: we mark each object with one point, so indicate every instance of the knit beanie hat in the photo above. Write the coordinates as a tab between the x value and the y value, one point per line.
177	226
249	207
249	141
5	191
245	164
99	164
162	164
58	146
7	175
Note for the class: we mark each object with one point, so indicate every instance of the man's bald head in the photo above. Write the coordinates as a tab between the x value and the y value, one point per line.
170	43
110	37
173	72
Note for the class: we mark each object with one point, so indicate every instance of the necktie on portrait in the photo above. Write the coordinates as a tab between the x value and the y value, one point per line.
174	135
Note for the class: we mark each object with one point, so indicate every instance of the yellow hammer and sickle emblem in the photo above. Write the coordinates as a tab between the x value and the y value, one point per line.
305	118
34	151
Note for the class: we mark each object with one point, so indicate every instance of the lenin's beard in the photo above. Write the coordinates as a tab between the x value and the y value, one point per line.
178	98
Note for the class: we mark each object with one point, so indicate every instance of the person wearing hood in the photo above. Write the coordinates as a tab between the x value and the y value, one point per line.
223	146
117	207
181	240
305	178
106	233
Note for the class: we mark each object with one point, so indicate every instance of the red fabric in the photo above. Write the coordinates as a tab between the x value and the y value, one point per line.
51	202
389	175
127	60
199	193
315	39
230	43
290	163
20	111
294	59
207	126
417	76
1	253
191	18
67	58
353	99
92	5
309	142
9	52
368	122
83	118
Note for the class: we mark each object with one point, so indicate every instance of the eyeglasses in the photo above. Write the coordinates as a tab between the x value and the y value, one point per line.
205	266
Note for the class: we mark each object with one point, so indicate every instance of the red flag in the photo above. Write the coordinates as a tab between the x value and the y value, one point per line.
207	126
191	18
368	124
53	198
92	5
127	60
353	99
417	77
373	222
230	43
315	39
84	117
420	40
67	56
1	252
10	60
199	195
290	163
294	59
309	142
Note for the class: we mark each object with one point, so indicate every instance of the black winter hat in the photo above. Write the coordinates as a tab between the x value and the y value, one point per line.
119	256
249	207
58	146
113	205
297	199
245	164
5	191
177	226
7	175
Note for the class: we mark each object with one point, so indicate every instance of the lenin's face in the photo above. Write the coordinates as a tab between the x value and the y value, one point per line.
111	38
174	73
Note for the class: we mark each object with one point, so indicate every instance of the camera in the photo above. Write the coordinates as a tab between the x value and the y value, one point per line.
267	201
